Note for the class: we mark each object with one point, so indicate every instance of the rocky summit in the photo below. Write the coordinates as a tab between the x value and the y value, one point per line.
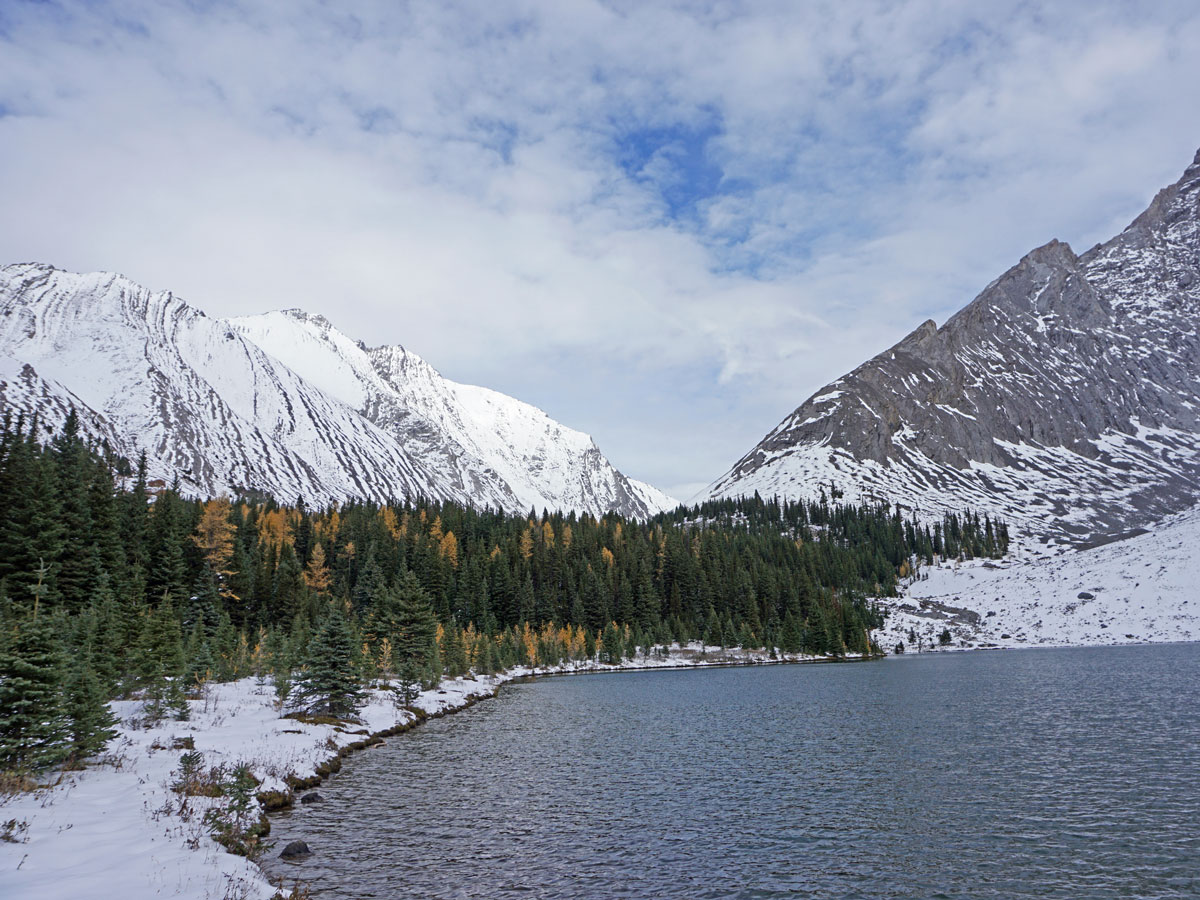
1064	397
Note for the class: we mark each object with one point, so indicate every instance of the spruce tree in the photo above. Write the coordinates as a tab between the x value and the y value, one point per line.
161	661
34	729
204	606
91	721
454	652
330	682
414	641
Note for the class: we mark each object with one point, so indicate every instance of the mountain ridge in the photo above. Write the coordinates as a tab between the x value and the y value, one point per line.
211	404
1061	397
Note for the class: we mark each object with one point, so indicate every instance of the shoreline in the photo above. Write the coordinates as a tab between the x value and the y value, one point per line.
118	830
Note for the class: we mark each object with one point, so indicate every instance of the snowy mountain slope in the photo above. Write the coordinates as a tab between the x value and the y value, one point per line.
484	443
209	404
1064	397
1136	590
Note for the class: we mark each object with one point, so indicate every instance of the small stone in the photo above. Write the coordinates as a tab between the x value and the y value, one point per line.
295	850
1085	595
314	797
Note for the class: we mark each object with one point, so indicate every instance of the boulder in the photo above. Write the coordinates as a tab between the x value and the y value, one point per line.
295	850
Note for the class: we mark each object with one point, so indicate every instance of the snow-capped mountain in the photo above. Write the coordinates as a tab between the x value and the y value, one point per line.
1064	397
283	403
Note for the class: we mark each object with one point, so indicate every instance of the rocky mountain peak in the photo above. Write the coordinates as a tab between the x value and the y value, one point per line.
1064	396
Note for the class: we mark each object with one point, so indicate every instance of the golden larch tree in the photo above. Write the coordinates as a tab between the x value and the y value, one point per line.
316	573
529	639
214	535
448	548
391	522
273	530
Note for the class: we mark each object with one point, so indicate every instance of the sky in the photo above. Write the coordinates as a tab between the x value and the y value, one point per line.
665	223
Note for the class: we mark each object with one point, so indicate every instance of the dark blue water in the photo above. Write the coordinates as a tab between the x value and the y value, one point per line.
1052	773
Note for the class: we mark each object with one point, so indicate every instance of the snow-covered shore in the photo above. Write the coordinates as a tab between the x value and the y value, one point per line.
1139	590
117	829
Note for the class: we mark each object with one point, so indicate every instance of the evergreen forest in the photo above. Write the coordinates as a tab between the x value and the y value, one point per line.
115	586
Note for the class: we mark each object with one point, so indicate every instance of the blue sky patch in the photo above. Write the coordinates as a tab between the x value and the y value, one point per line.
676	161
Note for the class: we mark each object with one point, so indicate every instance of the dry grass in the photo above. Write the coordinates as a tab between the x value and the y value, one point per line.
13	783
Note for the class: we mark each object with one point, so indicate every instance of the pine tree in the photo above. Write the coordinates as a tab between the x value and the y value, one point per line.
330	682
613	644
454	652
161	661
282	662
200	666
34	729
790	636
79	557
203	607
91	721
168	573
414	641
30	527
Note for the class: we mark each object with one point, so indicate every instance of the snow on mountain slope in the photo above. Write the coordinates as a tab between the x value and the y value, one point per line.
485	443
1136	590
208	403
1064	397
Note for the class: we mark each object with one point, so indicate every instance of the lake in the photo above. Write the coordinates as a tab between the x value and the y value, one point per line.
1038	773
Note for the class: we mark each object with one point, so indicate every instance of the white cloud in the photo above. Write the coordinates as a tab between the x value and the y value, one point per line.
449	176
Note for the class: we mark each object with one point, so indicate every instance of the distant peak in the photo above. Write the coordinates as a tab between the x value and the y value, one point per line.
1054	252
302	316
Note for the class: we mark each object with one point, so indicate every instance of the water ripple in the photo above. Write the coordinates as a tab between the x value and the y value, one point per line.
1039	774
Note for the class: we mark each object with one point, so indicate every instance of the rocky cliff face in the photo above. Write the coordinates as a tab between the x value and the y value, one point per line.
1065	396
283	404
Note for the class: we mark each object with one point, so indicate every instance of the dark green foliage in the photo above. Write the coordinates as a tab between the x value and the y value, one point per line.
91	721
454	654
613	645
330	681
34	726
414	638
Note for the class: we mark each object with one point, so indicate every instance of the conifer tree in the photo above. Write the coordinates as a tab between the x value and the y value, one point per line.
91	722
454	652
203	607
330	682
370	586
161	660
200	665
34	729
414	642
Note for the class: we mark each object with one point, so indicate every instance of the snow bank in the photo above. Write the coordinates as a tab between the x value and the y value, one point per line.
1138	590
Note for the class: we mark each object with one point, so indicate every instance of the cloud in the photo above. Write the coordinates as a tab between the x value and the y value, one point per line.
665	223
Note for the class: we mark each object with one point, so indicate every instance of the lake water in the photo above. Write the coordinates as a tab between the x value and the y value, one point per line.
1039	773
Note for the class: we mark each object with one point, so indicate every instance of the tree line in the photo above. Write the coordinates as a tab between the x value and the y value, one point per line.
113	586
